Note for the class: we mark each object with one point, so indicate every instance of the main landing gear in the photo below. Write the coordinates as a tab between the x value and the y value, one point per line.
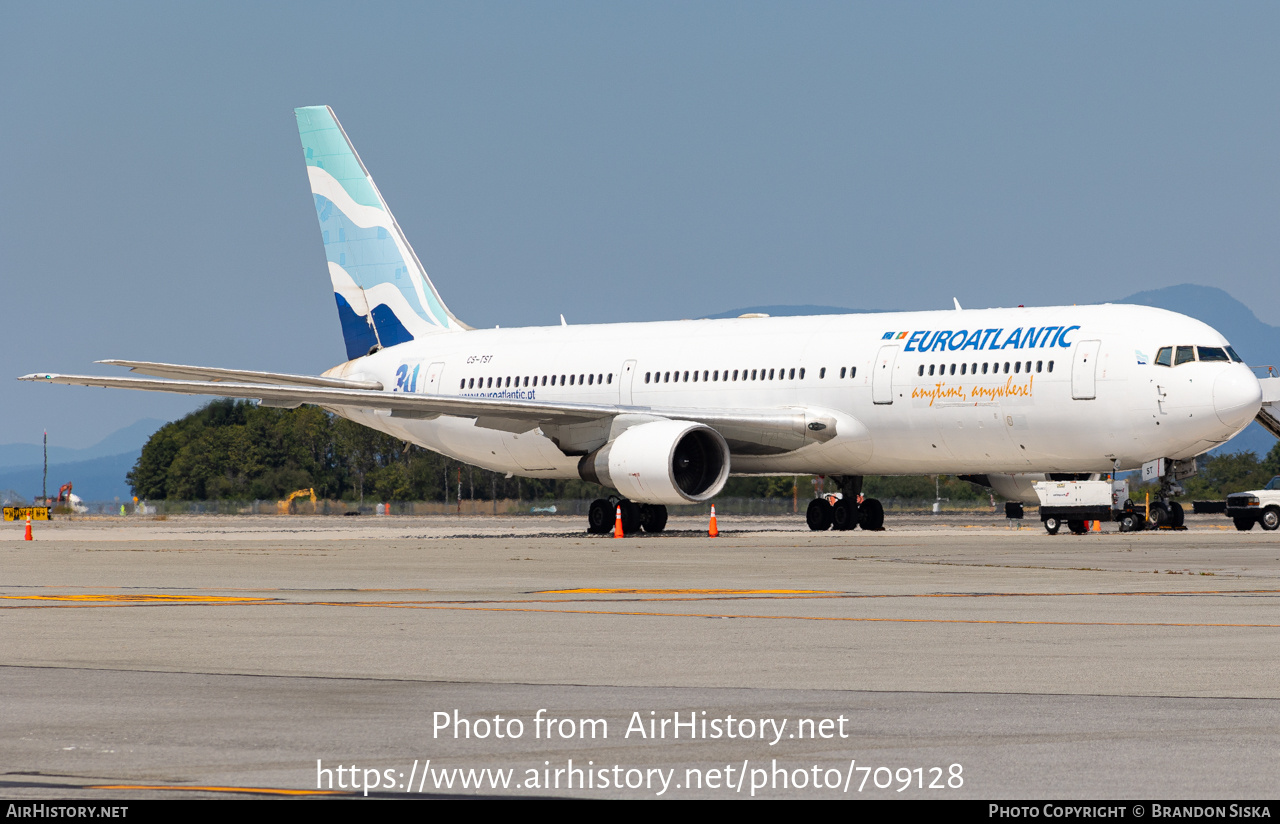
635	517
846	512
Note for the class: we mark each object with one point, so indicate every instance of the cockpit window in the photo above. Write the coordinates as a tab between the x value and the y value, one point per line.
1234	356
1186	354
1274	483
1165	356
1212	353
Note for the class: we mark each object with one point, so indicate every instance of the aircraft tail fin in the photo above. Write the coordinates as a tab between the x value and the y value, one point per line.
383	294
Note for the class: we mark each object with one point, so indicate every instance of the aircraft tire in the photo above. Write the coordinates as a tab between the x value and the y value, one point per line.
653	517
844	515
1052	525
630	517
1176	516
818	515
600	517
872	515
1158	515
1244	524
1270	518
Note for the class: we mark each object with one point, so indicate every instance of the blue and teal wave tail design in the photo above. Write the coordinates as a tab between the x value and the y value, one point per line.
383	294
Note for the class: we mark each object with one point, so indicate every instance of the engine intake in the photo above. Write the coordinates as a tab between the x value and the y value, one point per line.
661	462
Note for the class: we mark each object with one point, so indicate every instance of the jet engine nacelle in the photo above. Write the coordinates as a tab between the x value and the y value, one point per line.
661	462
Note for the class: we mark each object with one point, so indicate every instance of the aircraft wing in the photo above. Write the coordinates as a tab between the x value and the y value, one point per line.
211	373
746	431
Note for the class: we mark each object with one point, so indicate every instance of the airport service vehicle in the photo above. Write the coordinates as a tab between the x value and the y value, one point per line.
1077	502
1257	506
663	412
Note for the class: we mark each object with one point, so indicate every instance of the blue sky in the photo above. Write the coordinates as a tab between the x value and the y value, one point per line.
613	162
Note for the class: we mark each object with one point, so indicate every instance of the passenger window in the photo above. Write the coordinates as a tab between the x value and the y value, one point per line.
853	371
953	369
931	370
802	373
921	372
822	373
842	371
793	375
1185	354
1212	353
1050	366
1006	367
962	368
770	374
735	374
1017	367
609	379
1165	356
984	368
1039	366
591	380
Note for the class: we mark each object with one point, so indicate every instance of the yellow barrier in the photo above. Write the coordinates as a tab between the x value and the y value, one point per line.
21	513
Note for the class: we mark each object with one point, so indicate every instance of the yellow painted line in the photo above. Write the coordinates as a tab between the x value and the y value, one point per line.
688	591
181	788
139	598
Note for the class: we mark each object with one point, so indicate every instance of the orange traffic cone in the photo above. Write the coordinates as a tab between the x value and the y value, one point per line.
713	531
28	537
617	524
1097	526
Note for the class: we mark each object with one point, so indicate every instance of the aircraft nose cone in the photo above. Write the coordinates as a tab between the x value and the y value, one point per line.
1237	397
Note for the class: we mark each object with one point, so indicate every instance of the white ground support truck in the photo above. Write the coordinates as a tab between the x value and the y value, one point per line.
1078	502
1257	506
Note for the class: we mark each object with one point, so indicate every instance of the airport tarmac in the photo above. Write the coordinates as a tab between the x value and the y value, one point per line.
946	657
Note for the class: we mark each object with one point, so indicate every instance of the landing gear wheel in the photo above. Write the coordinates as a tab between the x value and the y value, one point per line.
1052	525
872	515
1077	527
818	515
1244	524
1270	518
630	517
1175	515
653	517
600	517
1158	515
844	515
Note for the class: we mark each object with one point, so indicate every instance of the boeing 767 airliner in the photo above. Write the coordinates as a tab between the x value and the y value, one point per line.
664	412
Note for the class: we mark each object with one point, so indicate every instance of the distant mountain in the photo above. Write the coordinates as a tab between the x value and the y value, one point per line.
129	439
1257	342
97	479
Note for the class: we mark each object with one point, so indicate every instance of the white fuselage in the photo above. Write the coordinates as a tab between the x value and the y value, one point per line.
1076	389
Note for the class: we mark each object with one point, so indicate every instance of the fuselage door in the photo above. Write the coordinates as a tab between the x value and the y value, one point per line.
433	377
1084	370
882	375
624	382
